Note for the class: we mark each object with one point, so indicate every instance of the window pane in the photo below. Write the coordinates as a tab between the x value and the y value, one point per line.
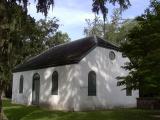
55	83
112	55
21	84
128	90
92	83
36	76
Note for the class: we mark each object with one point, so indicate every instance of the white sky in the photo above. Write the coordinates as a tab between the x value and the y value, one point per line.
72	14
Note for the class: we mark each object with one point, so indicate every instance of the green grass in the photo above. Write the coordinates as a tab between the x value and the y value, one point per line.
20	112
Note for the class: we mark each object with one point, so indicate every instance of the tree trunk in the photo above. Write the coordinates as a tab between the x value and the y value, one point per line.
1	110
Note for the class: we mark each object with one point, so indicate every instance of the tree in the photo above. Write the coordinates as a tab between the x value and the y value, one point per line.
12	25
124	30
21	37
36	37
50	34
143	49
94	27
115	31
57	39
40	35
98	5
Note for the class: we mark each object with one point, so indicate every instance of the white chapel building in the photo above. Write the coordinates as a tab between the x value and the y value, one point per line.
75	76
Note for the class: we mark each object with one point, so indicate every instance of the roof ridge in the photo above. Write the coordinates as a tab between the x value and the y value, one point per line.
110	42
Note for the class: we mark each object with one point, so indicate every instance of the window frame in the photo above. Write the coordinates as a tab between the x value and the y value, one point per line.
112	53
128	90
36	76
92	82
54	89
21	82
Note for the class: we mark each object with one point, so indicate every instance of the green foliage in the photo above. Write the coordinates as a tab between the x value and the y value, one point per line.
50	34
21	37
20	112
143	49
115	31
12	26
123	30
94	27
98	5
57	39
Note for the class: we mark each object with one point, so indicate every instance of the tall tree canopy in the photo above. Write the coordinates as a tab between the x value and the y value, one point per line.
22	37
98	5
42	35
15	24
143	49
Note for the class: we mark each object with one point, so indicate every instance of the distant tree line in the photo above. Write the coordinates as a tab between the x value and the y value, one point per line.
116	29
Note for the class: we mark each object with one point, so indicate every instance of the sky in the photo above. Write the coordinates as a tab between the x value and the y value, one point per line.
72	14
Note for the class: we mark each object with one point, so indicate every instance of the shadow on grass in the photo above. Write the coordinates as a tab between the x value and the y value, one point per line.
20	112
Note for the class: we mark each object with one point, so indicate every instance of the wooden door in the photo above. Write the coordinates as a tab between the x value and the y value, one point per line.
35	89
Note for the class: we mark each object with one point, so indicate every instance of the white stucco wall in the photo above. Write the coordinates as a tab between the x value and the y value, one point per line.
73	84
109	95
62	101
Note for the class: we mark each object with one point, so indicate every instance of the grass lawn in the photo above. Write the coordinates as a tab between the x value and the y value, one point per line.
20	112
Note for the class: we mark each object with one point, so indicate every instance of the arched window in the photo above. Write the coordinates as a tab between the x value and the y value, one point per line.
91	83
112	55
21	84
35	89
128	89
54	83
36	78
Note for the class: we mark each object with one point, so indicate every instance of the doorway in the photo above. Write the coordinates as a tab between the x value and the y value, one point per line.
35	89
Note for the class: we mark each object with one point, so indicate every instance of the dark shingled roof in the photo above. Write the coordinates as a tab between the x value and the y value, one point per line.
64	54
